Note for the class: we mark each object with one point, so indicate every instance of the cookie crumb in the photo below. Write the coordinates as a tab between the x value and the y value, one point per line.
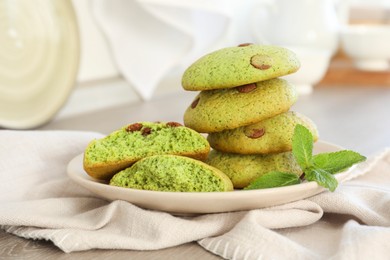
245	44
174	124
255	133
195	103
146	131
247	88
134	127
261	62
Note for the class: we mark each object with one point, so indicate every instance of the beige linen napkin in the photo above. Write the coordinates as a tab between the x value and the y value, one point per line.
39	201
355	225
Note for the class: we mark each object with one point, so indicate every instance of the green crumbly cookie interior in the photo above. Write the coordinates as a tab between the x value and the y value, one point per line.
169	173
151	139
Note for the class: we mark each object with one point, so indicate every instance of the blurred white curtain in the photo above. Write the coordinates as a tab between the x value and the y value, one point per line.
150	38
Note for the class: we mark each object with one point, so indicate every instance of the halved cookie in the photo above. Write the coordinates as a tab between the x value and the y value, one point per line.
117	151
172	173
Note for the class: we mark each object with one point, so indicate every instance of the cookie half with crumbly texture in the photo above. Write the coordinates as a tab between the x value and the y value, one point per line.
172	173
273	135
235	66
243	169
218	110
117	151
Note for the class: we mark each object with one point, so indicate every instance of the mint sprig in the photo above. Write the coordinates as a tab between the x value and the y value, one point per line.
322	177
274	179
337	161
319	168
302	146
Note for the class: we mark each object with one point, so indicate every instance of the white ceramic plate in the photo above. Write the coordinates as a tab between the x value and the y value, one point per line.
202	202
39	58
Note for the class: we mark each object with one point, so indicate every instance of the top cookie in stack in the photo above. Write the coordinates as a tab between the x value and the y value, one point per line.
244	106
235	66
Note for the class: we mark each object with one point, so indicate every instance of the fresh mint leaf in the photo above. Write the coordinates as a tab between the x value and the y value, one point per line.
337	161
322	177
274	179
302	146
319	168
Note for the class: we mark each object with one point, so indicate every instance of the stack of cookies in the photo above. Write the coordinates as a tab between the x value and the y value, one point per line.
244	107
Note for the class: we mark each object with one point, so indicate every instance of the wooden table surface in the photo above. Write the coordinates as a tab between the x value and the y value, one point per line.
341	71
354	117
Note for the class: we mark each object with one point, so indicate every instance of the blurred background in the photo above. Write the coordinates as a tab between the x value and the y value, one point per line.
61	58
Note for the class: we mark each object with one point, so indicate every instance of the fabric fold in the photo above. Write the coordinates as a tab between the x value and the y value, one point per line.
149	39
130	227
